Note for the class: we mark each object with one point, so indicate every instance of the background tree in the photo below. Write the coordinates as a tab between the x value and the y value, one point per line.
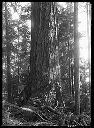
65	37
8	48
76	61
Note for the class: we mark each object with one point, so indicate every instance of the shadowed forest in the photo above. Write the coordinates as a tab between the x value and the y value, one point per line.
45	82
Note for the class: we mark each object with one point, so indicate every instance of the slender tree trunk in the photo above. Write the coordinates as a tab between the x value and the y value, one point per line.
76	60
72	79
89	42
18	62
69	69
72	71
9	87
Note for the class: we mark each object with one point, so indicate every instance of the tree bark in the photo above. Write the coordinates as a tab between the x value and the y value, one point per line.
41	41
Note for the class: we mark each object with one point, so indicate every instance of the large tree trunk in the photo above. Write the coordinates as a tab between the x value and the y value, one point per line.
40	44
76	60
39	54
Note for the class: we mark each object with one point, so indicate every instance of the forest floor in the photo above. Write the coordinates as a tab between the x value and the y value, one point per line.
13	115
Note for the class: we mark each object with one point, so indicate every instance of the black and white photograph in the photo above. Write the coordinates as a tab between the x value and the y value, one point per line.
46	63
